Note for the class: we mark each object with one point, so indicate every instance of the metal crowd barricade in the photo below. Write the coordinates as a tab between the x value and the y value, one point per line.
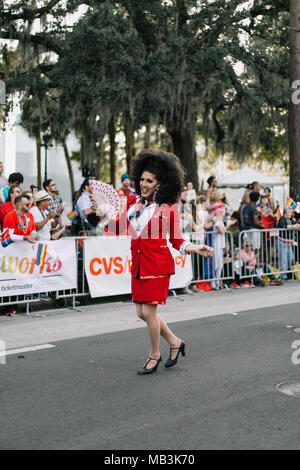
26	299
82	288
219	268
60	297
272	253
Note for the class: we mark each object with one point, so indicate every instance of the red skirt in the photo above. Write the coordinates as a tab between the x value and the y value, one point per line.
150	291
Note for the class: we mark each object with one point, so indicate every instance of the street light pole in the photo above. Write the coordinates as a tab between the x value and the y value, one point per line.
44	144
46	162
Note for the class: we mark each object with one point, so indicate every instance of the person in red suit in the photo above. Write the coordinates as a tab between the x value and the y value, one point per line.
149	217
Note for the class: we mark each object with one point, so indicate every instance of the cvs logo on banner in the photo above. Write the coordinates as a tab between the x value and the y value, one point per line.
112	265
180	261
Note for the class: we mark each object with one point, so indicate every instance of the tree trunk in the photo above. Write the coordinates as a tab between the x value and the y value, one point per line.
129	137
38	160
112	150
99	160
69	165
148	136
87	149
184	147
294	107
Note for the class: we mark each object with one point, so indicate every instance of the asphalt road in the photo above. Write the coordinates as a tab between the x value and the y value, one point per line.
84	393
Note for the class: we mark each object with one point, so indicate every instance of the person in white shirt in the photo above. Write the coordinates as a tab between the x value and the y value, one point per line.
3	180
190	193
203	219
44	220
86	206
186	216
219	244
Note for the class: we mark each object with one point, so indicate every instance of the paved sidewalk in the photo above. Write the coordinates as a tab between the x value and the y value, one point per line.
62	324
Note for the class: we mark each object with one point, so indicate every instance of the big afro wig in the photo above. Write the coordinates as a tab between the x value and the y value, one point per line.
167	169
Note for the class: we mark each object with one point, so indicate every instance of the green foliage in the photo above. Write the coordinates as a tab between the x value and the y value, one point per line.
101	60
217	69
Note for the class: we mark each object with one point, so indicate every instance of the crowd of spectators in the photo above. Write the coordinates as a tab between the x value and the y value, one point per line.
262	239
239	260
31	215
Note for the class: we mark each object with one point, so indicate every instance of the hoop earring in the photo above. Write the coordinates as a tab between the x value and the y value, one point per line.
155	193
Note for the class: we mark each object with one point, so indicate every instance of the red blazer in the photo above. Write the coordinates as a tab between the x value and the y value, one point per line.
5	209
151	256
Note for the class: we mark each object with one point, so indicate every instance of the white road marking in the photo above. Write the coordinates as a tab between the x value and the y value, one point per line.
29	348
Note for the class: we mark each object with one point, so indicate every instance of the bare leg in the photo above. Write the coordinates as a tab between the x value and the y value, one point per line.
164	330
139	311
169	336
153	325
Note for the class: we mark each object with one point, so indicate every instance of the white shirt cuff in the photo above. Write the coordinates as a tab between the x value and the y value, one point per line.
13	237
183	247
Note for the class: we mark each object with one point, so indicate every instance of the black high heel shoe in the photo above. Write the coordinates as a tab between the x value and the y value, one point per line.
171	362
144	371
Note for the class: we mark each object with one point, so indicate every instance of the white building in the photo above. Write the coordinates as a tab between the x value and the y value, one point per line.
18	153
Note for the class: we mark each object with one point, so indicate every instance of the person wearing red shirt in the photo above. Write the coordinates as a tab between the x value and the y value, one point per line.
150	216
21	226
267	217
20	222
126	189
125	192
8	206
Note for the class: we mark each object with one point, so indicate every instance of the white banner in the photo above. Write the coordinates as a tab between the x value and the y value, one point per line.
108	266
20	275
